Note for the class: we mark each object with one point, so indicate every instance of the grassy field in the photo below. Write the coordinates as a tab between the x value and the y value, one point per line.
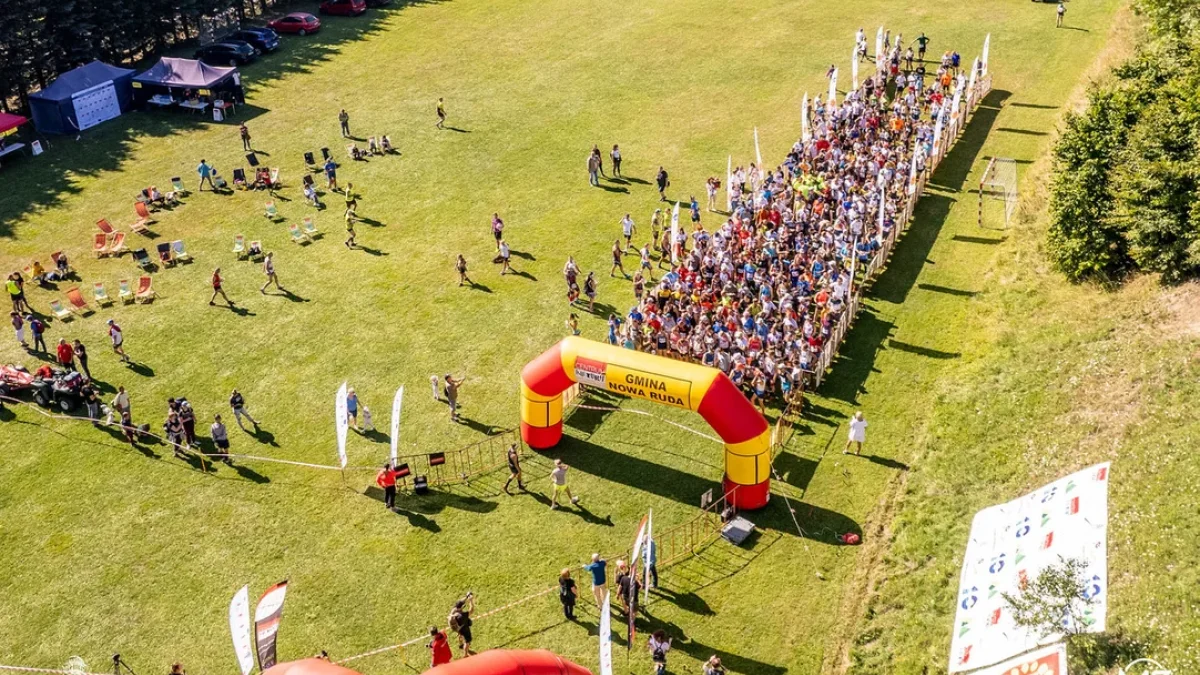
108	549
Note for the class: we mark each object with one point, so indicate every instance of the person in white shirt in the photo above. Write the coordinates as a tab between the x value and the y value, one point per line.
858	433
627	229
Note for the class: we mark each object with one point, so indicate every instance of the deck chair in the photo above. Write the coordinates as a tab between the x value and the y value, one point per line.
310	161
239	246
61	312
218	182
142	258
100	245
124	292
177	186
307	180
180	252
298	237
272	213
76	299
239	178
117	245
100	294
55	257
325	154
145	290
256	251
104	226
164	254
275	184
252	159
310	228
143	220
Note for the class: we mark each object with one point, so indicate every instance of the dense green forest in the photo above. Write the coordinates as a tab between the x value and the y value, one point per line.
1125	195
40	39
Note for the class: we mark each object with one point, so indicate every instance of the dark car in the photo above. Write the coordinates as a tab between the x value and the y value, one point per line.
300	23
343	7
378	3
226	53
262	39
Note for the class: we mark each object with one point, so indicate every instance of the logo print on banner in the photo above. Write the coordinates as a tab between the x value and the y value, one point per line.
590	373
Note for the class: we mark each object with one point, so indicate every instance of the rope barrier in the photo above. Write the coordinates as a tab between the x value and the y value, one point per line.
25	669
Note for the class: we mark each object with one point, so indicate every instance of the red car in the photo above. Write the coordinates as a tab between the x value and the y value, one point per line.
343	7
300	23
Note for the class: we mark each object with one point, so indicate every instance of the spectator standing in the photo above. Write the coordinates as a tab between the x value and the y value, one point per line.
589	289
711	186
567	593
82	357
352	407
386	479
558	480
514	468
245	133
615	155
441	113
238	403
220	437
505	258
651	555
120	403
18	325
460	266
628	229
344	121
593	167
663	181
330	174
269	271
218	289
38	328
16	292
497	229
66	354
460	622
439	647
187	417
452	386
617	260
858	433
659	645
91	401
598	568
433	385
1062	10
206	172
713	666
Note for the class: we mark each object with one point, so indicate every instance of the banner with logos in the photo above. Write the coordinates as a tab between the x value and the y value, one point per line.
266	623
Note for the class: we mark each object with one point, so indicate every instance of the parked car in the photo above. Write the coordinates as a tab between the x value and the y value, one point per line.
227	53
378	3
343	7
300	23
262	39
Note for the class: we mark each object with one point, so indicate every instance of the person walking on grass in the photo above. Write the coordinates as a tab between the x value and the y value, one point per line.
82	357
386	479
118	340
460	622
452	386
245	133
1062	10
589	289
514	469
593	167
331	174
663	181
441	113
352	407
497	229
460	266
439	647
505	258
628	229
18	325
351	235
269	271
220	438
567	593
598	568
659	645
646	266
237	403
573	324
558	482
218	289
617	256
858	433
206	172
615	155
344	120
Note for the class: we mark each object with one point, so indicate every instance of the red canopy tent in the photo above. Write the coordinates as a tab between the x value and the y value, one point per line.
9	123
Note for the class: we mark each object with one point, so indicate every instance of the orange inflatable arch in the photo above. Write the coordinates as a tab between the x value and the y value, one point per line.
708	391
492	662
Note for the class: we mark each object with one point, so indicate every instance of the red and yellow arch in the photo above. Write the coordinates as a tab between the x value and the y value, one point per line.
708	391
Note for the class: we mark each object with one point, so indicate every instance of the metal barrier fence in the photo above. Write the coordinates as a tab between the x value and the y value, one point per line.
463	464
682	540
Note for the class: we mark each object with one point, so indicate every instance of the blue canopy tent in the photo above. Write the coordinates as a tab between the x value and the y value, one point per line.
82	98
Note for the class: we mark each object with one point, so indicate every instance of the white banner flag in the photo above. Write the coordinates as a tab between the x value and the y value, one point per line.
987	44
649	554
1010	545
804	135
882	207
341	416
937	132
239	628
854	70
606	662
729	184
833	87
974	71
757	152
675	235
912	173
879	48
396	423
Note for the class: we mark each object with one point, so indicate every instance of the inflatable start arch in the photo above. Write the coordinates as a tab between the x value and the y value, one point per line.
708	391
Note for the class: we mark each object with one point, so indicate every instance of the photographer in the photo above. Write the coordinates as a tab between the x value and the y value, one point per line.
460	622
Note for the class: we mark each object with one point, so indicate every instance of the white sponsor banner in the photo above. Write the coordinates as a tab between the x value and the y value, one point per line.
341	416
396	402
987	46
649	552
804	135
239	629
1010	545
606	661
833	87
854	69
879	48
675	235
591	373
757	152
1050	660
266	623
729	184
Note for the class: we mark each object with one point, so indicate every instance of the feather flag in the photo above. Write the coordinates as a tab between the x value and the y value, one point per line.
649	554
879	58
854	70
266	622
757	152
804	134
606	661
833	87
675	235
729	184
396	422
342	418
239	629
987	44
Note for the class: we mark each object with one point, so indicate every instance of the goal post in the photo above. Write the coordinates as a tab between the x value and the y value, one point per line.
999	185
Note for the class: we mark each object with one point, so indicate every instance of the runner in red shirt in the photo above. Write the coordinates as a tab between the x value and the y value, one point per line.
386	479
439	646
217	289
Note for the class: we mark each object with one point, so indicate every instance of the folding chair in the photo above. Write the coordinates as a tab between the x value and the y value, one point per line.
310	161
143	220
252	159
177	186
307	180
437	459
239	246
104	226
239	178
142	258
124	292
298	237
117	246
76	299
272	213
61	312
310	228
179	251
55	257
164	254
275	184
145	290
100	245
100	294
325	154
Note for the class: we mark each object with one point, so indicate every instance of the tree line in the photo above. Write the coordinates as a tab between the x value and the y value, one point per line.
40	39
1125	194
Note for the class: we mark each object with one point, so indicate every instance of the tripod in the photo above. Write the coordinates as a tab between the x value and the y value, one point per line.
118	664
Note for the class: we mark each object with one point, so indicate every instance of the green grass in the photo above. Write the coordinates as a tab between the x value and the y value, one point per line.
105	549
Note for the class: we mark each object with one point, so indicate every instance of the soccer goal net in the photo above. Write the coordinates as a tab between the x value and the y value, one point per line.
998	187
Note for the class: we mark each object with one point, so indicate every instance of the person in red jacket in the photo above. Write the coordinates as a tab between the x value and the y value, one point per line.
386	479
66	354
439	646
